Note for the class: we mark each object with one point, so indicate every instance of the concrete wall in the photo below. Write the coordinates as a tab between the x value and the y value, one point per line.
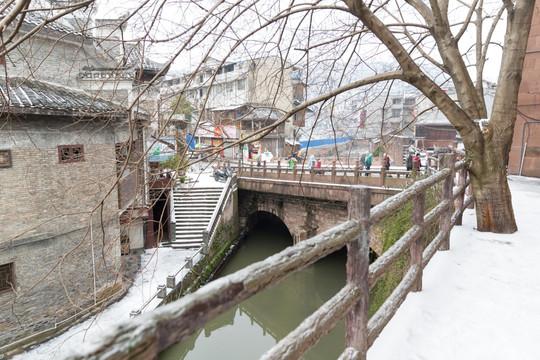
47	230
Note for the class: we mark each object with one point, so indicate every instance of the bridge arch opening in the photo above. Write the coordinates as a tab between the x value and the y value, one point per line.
266	221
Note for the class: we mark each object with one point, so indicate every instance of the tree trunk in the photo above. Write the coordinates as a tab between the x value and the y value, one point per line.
493	201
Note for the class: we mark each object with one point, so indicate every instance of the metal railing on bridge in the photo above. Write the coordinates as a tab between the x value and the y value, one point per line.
151	333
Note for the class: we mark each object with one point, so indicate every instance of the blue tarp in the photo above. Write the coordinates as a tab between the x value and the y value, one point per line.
191	145
321	142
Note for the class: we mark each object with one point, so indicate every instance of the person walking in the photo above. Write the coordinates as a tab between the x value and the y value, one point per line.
362	161
409	163
368	162
312	162
417	164
386	160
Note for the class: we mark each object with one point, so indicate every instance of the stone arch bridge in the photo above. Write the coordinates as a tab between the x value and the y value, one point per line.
307	209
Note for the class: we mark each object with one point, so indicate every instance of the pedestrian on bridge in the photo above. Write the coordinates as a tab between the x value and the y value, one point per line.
312	162
368	162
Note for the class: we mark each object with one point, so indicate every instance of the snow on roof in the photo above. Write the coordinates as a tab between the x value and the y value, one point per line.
32	96
262	113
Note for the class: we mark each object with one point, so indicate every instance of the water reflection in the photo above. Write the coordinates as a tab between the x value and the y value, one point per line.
248	330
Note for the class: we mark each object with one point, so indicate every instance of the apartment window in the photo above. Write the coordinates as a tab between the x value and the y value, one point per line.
6	277
396	112
230	87
70	153
5	158
241	84
410	101
396	101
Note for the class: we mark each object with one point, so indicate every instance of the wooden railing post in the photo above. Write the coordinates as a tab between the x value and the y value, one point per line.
382	175
333	171
239	169
417	247
279	169
312	174
356	171
458	204
356	334
264	169
448	162
251	169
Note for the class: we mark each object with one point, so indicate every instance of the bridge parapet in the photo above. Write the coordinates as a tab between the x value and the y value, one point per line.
312	190
333	174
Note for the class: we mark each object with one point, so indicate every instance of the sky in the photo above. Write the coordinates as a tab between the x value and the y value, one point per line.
480	299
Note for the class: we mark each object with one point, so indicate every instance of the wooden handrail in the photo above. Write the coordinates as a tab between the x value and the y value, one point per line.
155	331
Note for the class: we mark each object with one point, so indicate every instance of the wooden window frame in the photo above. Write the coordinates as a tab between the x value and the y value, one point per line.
9	163
72	156
7	283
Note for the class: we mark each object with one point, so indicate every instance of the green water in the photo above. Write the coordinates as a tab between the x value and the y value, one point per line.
254	326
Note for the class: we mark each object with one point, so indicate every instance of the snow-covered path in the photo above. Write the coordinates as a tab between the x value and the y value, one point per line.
481	299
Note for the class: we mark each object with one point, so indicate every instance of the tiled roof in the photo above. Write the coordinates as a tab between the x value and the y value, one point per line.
30	96
36	18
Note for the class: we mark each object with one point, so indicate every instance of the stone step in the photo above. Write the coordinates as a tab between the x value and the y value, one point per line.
192	216
197	194
195	207
186	245
191	231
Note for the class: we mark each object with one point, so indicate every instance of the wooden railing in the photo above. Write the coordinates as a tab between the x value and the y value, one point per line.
145	336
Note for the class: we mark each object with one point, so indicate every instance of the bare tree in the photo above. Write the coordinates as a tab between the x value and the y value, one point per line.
428	44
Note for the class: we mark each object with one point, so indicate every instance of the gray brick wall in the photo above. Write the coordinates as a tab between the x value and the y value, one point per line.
45	209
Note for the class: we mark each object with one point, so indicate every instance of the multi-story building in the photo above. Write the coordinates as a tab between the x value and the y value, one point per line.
235	99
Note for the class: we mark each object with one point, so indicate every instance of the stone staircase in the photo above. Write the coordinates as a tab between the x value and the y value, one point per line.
193	208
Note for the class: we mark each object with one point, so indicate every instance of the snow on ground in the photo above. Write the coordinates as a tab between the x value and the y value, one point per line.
156	265
481	299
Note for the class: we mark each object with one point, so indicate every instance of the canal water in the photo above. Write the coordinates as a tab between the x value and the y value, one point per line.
254	326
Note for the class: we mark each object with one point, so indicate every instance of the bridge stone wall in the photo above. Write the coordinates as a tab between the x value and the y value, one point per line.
303	217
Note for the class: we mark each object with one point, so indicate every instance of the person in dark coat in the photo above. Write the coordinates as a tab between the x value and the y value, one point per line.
409	162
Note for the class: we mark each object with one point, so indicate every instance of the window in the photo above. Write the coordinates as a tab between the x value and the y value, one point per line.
70	153
410	101
230	87
396	101
396	112
5	158
241	84
6	277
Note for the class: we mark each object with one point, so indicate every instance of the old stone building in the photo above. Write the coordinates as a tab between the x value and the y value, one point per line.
74	181
59	244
